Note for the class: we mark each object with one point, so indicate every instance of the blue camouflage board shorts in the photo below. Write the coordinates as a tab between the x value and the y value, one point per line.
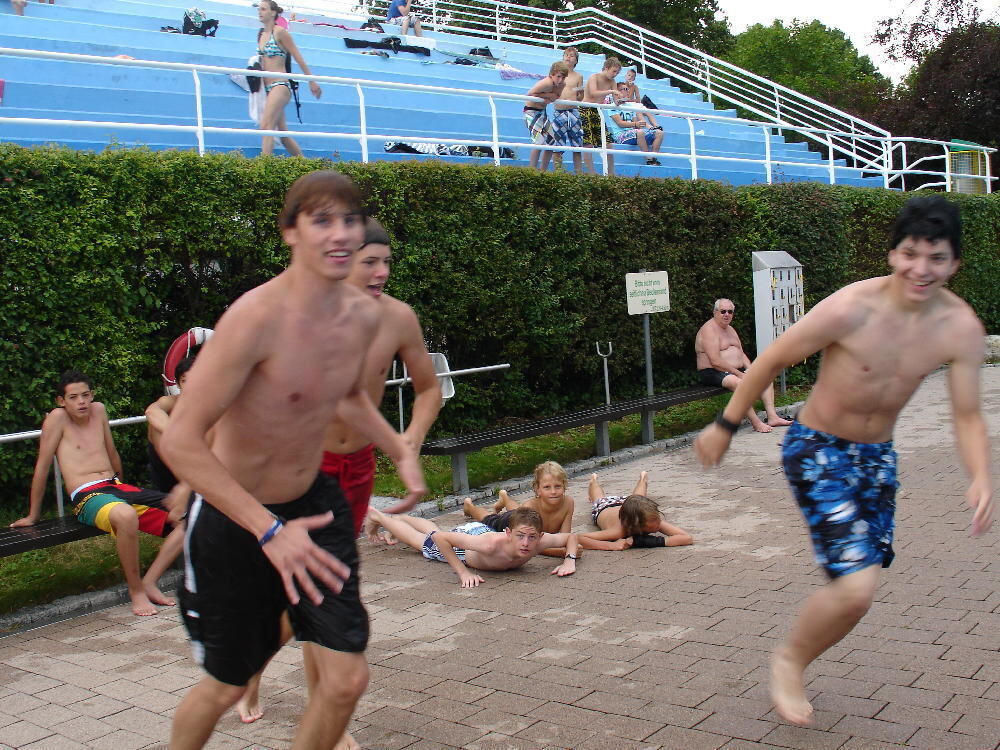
847	494
568	127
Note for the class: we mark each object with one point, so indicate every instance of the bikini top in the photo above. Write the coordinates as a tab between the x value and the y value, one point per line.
272	49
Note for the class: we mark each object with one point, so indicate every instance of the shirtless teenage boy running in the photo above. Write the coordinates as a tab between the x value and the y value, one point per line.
880	338
722	362
348	456
266	524
476	544
79	435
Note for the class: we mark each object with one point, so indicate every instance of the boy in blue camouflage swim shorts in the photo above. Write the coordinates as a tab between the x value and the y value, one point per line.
879	338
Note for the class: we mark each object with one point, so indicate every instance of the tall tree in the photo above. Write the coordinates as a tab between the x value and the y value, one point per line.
954	92
922	25
815	60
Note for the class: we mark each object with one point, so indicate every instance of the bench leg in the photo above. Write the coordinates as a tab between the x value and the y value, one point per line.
647	427
459	474
603	439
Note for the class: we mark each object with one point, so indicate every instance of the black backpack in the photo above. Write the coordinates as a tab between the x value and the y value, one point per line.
196	23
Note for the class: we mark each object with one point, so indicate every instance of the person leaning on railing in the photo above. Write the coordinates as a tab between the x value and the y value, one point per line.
275	45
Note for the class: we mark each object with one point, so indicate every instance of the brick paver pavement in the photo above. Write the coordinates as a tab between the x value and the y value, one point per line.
642	649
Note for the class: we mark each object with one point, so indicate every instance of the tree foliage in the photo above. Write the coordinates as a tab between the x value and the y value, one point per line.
953	92
922	26
696	23
812	59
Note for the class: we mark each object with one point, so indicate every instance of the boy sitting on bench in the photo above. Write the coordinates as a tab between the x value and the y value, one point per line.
79	434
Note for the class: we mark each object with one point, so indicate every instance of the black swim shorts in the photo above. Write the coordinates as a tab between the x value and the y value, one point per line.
498	521
233	598
711	376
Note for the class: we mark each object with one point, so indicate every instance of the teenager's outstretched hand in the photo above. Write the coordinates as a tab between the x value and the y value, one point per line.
412	476
711	445
299	560
567	568
470	580
980	499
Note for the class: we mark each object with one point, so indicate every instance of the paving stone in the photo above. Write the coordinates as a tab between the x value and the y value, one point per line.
647	649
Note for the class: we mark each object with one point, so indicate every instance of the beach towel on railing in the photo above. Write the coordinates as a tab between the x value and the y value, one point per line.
510	73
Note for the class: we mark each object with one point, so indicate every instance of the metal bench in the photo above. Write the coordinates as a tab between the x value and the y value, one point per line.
599	416
44	534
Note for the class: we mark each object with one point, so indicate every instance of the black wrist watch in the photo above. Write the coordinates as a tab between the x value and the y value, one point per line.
570	557
725	424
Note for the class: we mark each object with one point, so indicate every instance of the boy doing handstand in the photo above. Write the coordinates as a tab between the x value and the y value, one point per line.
629	521
476	544
78	434
550	500
880	338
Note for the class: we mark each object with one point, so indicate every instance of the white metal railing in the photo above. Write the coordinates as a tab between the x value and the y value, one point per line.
891	176
717	79
863	143
16	437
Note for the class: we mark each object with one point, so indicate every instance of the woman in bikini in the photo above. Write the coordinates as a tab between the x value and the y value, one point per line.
275	45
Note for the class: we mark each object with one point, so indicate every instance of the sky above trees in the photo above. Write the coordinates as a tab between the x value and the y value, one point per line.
856	18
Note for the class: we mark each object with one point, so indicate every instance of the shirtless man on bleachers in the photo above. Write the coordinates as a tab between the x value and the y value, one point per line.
722	362
79	435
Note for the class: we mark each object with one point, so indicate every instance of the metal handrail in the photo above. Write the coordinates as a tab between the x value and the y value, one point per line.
828	137
14	437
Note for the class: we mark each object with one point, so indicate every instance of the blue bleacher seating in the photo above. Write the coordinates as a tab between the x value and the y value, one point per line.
81	91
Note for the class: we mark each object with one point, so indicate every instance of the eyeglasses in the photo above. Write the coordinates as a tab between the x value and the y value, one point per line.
727	312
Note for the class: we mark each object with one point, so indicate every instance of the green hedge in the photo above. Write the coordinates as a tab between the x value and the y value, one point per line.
108	257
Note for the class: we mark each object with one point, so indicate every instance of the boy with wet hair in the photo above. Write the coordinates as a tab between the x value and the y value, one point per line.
78	434
879	338
267	533
476	544
536	120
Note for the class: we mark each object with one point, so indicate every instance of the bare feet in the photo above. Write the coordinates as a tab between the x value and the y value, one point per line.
374	531
777	421
372	527
156	596
347	743
787	691
762	427
501	504
467	506
141	606
249	708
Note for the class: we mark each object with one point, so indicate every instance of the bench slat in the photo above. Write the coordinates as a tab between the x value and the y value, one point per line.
546	425
44	534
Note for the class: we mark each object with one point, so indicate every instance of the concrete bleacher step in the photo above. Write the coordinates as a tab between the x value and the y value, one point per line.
41	88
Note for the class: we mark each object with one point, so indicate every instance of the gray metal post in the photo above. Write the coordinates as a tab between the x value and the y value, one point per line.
59	486
601	435
647	416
